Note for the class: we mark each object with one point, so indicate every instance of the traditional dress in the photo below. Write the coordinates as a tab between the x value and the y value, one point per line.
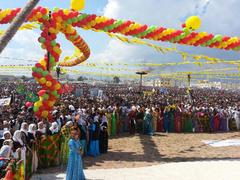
160	122
166	120
178	120
32	137
154	122
109	119
216	122
139	121
132	120
171	120
94	139
114	124
65	137
103	137
187	125
75	168
148	129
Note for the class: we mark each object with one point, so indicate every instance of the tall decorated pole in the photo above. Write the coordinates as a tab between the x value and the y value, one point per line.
16	23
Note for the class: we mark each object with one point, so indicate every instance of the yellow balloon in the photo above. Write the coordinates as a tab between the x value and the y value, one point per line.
193	23
77	5
45	114
57	86
48	83
43	80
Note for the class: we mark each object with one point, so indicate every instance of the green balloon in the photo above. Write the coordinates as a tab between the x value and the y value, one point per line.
35	109
54	93
34	69
74	20
45	17
52	59
45	96
42	40
45	73
53	43
218	37
69	21
55	9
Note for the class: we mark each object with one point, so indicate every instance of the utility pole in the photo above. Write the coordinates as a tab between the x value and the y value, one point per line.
16	24
141	73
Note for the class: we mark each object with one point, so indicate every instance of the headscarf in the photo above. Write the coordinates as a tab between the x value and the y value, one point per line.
17	137
23	129
42	130
6	132
54	127
5	151
104	123
31	129
69	124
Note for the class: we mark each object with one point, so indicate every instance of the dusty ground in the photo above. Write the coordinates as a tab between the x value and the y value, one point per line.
140	151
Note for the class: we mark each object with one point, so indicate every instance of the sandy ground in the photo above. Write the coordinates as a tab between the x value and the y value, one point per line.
162	150
214	170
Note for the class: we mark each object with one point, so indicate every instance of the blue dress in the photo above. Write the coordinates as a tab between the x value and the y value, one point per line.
148	124
74	168
94	141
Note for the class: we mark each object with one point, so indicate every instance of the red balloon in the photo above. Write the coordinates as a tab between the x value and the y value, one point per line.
41	92
48	77
38	65
28	104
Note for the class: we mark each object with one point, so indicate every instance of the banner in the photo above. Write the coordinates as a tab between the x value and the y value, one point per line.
79	92
5	102
94	92
100	93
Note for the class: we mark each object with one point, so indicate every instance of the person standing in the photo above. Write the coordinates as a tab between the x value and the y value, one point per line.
114	123
148	122
103	137
75	167
132	120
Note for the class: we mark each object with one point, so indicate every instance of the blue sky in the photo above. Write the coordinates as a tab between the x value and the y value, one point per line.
218	17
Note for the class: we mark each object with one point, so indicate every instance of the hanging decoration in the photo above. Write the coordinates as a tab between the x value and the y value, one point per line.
64	21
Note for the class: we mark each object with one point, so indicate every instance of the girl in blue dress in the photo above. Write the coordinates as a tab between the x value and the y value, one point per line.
75	168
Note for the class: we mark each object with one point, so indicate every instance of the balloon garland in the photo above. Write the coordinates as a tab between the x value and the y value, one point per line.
65	20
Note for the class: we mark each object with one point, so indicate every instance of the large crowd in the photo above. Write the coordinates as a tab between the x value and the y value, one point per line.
119	109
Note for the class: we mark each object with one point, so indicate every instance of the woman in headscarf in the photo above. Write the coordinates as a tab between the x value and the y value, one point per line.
94	137
6	136
103	137
32	137
19	148
65	137
5	153
148	118
28	151
75	168
82	124
54	128
41	130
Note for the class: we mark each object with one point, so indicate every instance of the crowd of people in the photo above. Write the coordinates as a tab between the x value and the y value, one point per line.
93	119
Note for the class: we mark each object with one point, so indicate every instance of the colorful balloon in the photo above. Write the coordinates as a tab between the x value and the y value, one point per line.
77	5
193	23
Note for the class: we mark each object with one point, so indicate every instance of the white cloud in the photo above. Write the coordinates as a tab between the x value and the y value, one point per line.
24	45
218	16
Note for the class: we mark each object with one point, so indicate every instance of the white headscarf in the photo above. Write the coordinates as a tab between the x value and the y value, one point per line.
17	137
69	124
6	132
24	130
5	151
32	129
42	130
54	127
95	118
